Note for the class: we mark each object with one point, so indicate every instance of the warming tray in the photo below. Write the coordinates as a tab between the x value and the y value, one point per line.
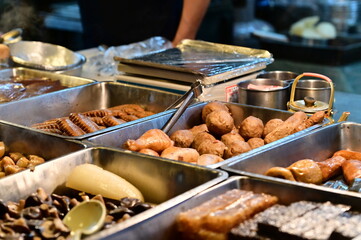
21	140
192	117
88	97
163	225
161	182
65	80
317	145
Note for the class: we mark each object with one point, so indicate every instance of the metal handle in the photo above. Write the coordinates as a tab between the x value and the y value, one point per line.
195	91
317	75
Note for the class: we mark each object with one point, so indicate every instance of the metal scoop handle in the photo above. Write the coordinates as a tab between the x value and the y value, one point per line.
194	92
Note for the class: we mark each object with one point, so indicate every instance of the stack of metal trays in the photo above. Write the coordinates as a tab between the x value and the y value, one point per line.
30	74
164	225
29	142
161	182
192	117
317	145
95	96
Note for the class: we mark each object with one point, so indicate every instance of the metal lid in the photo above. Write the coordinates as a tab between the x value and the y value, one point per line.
300	105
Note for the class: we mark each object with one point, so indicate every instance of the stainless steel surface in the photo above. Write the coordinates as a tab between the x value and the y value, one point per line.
190	118
162	182
44	56
81	99
65	80
317	145
28	142
163	226
273	98
318	89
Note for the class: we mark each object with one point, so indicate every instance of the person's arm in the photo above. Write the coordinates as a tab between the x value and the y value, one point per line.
192	16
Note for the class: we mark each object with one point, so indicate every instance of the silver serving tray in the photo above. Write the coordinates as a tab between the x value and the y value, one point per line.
161	182
192	117
163	225
88	97
17	139
65	80
317	145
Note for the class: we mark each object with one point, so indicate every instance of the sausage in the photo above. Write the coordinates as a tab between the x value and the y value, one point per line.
351	170
280	172
307	171
331	167
287	127
208	159
181	154
149	152
317	117
348	154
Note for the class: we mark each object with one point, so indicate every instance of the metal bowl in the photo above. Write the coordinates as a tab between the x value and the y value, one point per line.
274	98
46	56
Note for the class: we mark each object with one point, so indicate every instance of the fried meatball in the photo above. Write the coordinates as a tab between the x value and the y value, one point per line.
220	122
199	128
208	159
255	142
271	125
251	127
182	138
211	107
215	147
235	149
180	154
202	137
231	137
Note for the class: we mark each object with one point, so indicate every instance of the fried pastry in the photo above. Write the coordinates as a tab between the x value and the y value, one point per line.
70	128
97	113
111	121
85	123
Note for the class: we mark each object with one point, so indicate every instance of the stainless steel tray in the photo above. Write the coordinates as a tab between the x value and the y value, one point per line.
88	97
162	182
65	80
163	225
192	117
317	145
29	142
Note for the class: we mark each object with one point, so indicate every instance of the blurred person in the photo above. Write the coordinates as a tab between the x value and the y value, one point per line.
116	23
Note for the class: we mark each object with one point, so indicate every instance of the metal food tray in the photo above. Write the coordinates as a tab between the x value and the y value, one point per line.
163	226
81	99
161	182
191	117
17	139
65	80
317	145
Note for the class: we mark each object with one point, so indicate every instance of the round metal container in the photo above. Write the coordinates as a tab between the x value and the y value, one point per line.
279	75
274	98
46	56
320	90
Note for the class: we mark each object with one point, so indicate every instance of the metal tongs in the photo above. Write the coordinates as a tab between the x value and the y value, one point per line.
195	91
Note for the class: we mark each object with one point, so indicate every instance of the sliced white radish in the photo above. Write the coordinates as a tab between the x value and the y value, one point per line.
92	179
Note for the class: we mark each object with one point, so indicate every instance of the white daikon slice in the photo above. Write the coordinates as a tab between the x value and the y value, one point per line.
92	179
